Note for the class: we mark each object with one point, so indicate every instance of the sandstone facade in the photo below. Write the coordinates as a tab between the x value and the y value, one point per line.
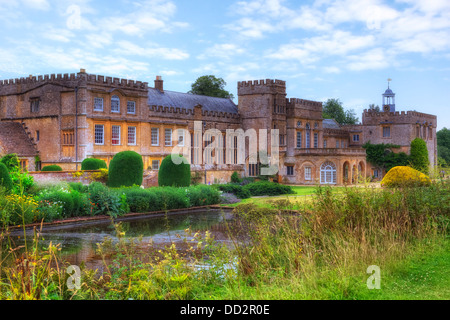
74	116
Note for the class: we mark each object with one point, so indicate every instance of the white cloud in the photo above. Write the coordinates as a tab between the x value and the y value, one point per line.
370	60
37	4
222	51
129	48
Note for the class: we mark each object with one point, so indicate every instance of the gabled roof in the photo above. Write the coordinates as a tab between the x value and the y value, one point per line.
330	124
14	139
189	101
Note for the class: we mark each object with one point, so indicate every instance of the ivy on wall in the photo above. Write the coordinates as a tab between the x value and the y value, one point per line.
382	155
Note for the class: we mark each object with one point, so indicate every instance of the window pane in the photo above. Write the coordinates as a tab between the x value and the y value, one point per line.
132	135
180	133
299	139
115	135
115	104
155	164
98	104
316	140
155	136
131	107
99	131
168	137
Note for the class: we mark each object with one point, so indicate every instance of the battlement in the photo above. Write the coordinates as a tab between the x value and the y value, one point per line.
39	79
304	103
398	117
182	112
261	83
125	83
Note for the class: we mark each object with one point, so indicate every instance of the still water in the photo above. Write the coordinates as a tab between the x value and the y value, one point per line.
79	242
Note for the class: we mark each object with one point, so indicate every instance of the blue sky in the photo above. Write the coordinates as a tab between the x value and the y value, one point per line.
343	49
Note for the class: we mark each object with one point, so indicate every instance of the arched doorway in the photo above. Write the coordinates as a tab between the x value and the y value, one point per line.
328	173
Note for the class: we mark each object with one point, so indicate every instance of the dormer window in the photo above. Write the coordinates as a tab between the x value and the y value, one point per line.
115	104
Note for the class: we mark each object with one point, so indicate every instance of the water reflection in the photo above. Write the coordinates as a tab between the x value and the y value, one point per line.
79	243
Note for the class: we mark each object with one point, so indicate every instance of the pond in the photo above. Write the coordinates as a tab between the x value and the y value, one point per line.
78	242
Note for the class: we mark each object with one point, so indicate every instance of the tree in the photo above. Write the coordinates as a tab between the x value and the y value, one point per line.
210	86
126	169
419	155
333	109
374	108
443	144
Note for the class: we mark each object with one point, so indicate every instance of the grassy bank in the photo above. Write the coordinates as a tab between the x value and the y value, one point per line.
321	253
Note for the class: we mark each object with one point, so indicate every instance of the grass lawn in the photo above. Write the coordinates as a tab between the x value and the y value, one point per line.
302	193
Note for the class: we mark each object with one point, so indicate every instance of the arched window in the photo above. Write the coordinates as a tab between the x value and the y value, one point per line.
115	104
328	173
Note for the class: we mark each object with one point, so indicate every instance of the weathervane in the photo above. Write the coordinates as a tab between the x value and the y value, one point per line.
389	80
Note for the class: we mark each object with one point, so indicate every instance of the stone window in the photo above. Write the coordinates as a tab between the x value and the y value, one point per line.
308	136
337	143
168	137
290	170
316	140
299	139
155	137
356	137
68	138
34	105
307	173
98	104
115	104
132	136
155	164
253	169
328	173
99	133
325	143
386	132
115	135
180	134
23	165
131	107
38	135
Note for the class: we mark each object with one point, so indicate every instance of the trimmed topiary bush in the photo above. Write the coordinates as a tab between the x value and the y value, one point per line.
52	167
419	155
235	177
402	176
5	178
126	169
172	174
93	164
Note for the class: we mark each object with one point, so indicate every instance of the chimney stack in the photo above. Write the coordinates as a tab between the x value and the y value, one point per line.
159	84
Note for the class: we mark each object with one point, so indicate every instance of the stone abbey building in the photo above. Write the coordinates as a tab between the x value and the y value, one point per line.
63	119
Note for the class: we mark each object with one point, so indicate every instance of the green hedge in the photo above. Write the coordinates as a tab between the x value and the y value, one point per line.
126	169
174	175
235	189
52	167
5	178
93	164
266	188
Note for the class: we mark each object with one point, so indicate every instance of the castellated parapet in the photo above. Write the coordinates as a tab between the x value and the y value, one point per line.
371	117
262	86
24	84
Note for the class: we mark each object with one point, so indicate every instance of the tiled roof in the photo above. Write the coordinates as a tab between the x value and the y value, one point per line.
330	124
14	139
189	101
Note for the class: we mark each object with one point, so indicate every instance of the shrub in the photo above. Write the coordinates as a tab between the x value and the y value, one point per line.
139	200
404	176
11	161
5	178
419	155
235	177
60	196
235	189
202	195
126	169
172	174
101	175
52	167
265	188
18	209
93	164
106	201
